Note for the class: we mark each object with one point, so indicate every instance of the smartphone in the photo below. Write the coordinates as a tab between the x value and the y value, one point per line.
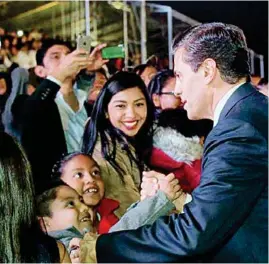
84	42
113	52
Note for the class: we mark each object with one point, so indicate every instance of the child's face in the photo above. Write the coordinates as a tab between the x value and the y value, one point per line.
83	174
68	210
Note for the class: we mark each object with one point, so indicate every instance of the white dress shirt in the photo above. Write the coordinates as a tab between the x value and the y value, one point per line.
72	122
222	103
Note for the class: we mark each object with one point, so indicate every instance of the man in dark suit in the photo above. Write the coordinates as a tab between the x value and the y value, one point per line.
227	219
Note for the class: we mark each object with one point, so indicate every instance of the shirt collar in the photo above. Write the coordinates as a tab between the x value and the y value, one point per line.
81	97
222	103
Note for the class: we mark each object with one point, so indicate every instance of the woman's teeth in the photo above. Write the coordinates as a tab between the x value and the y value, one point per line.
130	124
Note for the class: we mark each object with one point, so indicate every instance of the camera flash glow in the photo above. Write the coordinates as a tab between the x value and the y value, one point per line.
20	33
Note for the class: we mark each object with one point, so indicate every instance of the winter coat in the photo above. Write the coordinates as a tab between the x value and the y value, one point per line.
125	193
173	152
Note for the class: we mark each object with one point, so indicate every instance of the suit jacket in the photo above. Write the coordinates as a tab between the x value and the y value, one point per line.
42	131
227	219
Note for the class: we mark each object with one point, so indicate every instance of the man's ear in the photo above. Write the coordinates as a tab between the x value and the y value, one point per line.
210	70
156	100
40	71
44	223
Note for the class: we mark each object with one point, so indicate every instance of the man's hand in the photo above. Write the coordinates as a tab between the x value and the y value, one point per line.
95	59
149	185
70	65
153	181
87	248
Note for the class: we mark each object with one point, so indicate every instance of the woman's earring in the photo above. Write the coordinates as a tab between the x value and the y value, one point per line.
106	115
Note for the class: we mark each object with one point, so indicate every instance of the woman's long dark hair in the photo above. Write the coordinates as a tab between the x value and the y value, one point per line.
18	222
99	125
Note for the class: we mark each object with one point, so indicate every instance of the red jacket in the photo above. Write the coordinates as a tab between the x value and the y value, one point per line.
188	175
175	153
106	210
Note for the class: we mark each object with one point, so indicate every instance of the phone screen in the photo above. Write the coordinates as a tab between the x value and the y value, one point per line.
113	52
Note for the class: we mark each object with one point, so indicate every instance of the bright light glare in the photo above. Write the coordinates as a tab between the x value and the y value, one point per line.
20	33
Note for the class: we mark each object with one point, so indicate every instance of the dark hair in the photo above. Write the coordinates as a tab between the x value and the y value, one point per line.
159	80
178	119
45	199
139	69
99	125
47	44
49	190
18	225
224	43
33	78
263	81
58	167
102	71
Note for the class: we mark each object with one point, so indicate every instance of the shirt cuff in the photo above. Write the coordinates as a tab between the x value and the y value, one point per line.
51	78
188	198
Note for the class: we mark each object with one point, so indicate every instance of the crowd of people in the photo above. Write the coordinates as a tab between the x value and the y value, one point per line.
101	164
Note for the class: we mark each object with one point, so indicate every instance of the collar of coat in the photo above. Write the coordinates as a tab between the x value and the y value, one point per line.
177	146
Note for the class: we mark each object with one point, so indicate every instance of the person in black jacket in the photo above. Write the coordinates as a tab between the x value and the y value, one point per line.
55	114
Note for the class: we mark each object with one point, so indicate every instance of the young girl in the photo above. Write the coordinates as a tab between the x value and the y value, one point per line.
81	172
161	89
119	135
64	216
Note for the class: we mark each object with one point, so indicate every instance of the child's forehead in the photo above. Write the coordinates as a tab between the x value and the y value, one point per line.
82	160
65	192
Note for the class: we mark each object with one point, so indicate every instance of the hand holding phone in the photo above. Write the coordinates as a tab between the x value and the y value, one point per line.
95	58
84	42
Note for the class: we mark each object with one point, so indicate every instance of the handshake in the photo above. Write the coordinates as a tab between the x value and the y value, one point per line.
153	181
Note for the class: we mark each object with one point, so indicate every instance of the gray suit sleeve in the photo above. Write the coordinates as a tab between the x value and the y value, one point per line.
145	212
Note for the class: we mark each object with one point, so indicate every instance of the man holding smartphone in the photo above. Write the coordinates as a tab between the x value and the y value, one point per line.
54	116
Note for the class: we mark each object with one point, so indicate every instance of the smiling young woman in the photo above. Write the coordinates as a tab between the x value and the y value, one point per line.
119	134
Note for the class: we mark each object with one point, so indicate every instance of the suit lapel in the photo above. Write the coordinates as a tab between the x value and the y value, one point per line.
243	91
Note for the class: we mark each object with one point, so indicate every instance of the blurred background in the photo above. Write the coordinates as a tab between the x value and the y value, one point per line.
145	28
